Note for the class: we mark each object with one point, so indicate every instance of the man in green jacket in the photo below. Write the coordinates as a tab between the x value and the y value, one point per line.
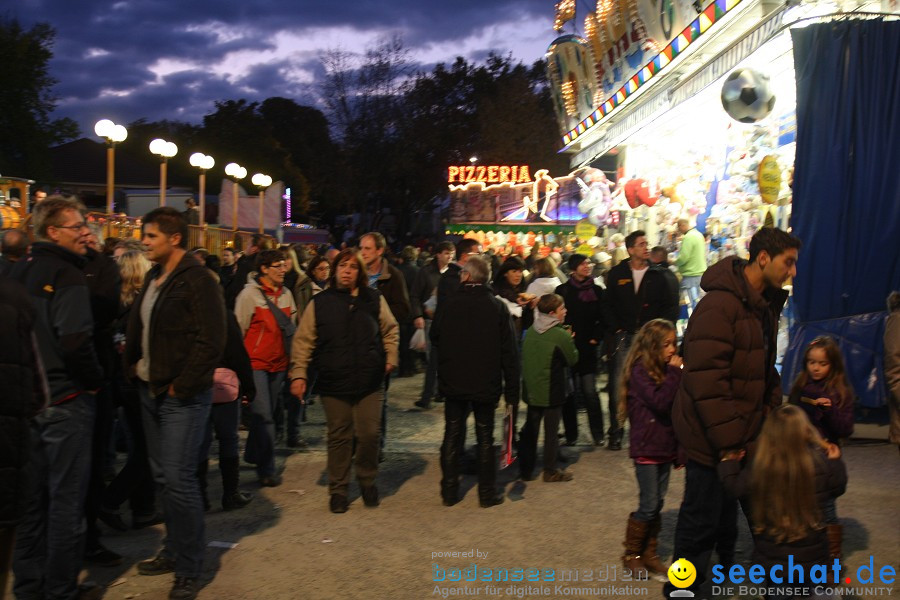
691	260
547	353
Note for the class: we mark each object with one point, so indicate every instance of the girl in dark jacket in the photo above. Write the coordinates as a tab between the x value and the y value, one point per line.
793	474
650	379
824	394
509	286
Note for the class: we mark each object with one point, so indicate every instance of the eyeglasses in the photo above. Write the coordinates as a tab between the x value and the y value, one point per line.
280	265
76	227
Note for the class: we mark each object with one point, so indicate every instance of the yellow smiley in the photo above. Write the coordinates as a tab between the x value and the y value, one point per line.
682	573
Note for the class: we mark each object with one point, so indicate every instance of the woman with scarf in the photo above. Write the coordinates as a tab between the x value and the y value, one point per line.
584	314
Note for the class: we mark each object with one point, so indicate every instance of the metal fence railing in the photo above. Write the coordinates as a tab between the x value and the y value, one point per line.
214	239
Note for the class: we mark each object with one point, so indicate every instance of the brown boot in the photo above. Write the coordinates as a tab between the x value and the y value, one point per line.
835	534
635	536
650	557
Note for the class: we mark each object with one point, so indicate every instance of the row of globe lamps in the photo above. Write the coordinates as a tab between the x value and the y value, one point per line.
114	133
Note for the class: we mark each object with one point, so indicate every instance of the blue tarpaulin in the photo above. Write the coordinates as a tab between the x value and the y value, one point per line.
846	205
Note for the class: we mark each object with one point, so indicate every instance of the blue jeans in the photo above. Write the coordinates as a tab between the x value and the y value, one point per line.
50	540
653	481
691	285
707	518
261	437
175	429
224	419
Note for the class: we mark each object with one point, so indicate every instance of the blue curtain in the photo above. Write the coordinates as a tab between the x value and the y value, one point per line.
846	205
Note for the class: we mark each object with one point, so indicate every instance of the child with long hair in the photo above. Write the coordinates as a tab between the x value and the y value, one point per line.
650	379
825	395
793	474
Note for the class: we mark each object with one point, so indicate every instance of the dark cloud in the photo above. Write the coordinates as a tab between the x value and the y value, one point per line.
106	51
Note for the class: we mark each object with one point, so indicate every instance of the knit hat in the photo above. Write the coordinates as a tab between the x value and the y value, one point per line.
575	260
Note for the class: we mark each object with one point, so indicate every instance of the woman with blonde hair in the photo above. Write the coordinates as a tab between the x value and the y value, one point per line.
135	481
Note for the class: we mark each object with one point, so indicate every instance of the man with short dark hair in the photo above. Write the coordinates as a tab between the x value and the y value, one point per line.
659	257
48	554
729	385
13	247
175	341
473	331
636	293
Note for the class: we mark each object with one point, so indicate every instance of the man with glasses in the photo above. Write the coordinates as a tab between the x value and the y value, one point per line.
267	338
48	553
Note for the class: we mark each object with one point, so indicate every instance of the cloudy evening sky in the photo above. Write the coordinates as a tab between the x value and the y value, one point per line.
171	59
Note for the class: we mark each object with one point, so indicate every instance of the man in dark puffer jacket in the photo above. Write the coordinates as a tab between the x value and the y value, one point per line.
729	385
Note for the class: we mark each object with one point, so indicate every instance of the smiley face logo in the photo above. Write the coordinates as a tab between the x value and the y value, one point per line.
682	573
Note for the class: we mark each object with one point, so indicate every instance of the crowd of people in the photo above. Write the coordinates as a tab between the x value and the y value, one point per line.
165	347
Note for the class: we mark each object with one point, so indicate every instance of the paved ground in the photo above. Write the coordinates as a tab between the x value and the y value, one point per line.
286	545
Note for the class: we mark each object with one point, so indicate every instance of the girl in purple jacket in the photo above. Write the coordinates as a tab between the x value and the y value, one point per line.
650	378
825	395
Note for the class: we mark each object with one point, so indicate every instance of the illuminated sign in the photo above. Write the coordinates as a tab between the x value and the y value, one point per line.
489	174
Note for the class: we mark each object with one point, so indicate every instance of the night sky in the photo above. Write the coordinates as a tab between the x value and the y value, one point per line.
167	59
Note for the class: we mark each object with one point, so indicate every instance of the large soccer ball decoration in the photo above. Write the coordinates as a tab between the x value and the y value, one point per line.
747	96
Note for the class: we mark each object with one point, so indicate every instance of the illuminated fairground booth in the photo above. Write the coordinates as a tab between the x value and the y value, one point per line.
699	107
503	205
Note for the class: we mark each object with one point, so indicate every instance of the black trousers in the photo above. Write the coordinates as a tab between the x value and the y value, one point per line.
528	441
707	521
456	411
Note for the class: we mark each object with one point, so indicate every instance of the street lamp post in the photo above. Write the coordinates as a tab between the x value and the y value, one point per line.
236	172
204	163
262	182
164	150
113	134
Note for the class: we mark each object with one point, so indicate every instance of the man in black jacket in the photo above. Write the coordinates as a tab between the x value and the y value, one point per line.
478	357
48	554
636	292
175	341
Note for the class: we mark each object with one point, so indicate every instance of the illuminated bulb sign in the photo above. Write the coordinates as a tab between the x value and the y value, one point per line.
489	174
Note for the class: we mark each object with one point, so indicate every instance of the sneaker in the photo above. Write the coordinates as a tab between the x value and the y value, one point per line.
270	481
88	590
235	500
489	502
370	495
557	476
184	588
296	442
158	565
338	504
112	518
101	556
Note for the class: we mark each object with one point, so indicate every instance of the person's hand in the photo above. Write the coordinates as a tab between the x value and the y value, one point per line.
593	342
419	322
733	455
823	402
298	388
833	451
676	361
388	368
172	390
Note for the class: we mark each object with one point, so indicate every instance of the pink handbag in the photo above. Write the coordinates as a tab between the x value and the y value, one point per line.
225	386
